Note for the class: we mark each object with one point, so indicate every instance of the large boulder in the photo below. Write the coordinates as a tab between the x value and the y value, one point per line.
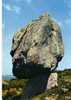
37	48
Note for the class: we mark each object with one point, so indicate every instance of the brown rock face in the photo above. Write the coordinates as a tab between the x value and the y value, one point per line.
37	48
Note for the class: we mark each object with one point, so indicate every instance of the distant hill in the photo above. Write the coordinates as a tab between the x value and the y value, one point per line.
7	77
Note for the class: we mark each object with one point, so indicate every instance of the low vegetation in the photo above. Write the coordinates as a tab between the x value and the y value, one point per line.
11	88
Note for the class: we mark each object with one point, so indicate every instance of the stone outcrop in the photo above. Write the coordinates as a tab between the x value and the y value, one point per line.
37	48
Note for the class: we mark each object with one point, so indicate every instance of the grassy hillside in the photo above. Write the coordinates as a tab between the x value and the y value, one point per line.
12	88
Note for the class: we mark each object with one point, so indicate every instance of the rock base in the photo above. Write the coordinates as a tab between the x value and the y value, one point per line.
52	81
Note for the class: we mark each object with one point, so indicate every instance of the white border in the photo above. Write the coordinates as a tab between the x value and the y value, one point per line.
0	49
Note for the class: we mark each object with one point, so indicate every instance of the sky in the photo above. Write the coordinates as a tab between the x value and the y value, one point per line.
18	13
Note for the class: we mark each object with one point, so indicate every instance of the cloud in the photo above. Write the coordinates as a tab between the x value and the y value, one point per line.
7	7
68	21
69	12
28	1
13	8
68	3
21	1
67	24
16	9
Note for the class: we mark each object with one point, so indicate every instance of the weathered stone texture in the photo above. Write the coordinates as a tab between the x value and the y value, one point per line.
38	46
